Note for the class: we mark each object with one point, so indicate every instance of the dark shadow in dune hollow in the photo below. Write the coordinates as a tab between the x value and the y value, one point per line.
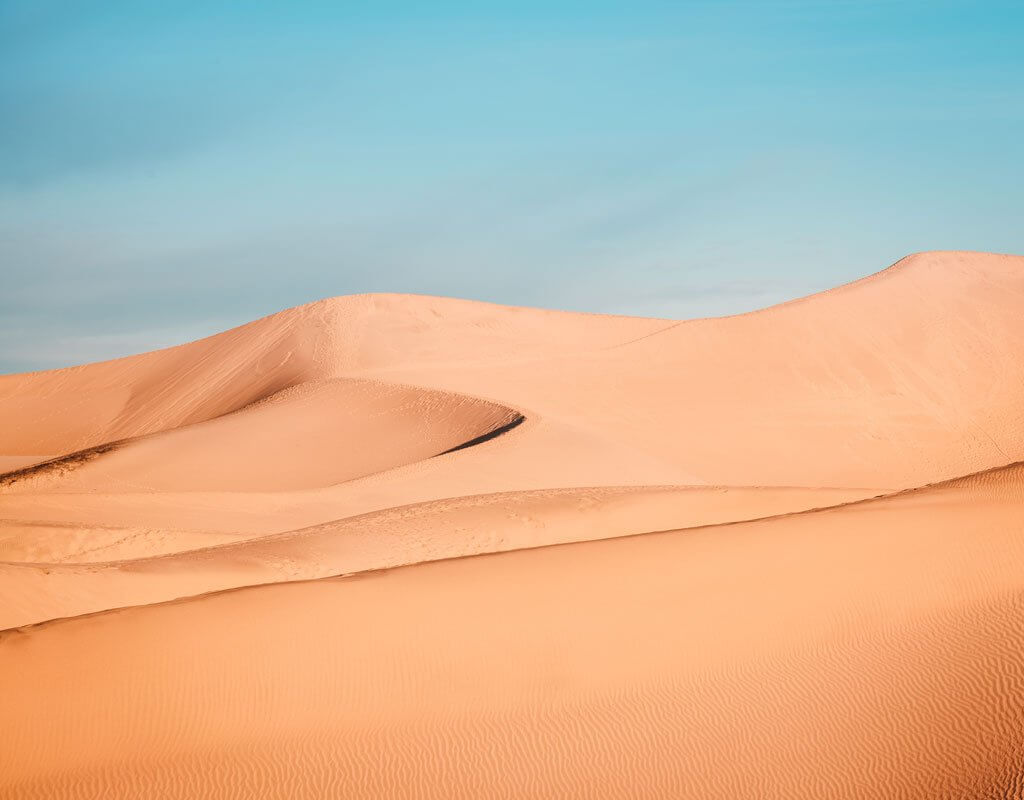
486	437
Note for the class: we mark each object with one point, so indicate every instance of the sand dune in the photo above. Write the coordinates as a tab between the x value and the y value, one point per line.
46	579
770	555
313	434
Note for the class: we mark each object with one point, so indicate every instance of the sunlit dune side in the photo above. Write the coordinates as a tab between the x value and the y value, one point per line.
404	546
51	573
311	435
873	650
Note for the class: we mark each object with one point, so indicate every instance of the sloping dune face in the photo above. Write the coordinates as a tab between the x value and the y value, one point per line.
399	546
311	435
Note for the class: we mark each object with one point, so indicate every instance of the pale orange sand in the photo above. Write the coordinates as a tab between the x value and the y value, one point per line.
713	558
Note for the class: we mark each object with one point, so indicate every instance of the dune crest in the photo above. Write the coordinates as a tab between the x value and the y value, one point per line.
407	546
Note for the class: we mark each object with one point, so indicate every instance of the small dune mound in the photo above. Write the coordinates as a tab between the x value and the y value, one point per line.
312	435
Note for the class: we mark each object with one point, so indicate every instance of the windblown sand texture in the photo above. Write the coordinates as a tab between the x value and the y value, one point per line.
412	547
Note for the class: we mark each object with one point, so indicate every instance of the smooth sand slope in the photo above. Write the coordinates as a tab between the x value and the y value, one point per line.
773	555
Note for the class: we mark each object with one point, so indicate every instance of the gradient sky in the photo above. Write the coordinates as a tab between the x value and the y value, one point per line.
168	170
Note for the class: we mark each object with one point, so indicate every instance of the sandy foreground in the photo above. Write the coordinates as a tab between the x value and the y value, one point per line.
414	547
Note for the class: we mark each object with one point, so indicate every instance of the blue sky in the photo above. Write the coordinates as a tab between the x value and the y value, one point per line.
168	170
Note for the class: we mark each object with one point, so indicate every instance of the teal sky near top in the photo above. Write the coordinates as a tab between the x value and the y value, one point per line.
168	170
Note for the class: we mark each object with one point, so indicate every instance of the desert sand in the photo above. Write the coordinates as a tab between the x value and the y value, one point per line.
414	547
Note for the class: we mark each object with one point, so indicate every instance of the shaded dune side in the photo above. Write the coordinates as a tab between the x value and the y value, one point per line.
872	650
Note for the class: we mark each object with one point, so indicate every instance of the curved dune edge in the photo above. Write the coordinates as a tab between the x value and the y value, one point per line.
841	653
434	531
442	529
39	592
293	439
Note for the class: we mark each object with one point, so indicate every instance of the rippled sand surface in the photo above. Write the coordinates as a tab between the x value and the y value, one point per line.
402	546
